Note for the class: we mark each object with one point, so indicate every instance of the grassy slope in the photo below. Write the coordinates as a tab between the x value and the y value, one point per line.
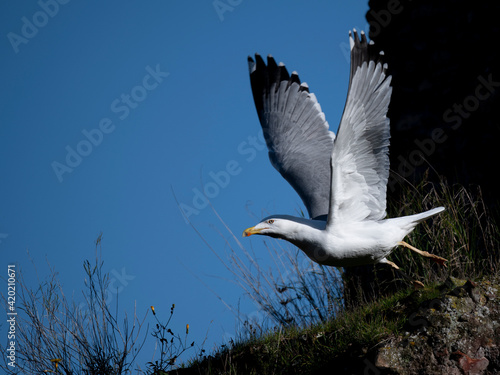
347	340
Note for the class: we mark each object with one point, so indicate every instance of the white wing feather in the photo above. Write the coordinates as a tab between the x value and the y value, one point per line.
360	157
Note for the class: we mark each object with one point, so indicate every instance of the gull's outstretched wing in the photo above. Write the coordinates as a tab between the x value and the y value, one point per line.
360	157
295	131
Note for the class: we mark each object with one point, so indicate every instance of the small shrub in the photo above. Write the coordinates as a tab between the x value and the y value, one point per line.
170	345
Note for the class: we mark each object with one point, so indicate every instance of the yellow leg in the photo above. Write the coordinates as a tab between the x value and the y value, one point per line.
392	264
435	258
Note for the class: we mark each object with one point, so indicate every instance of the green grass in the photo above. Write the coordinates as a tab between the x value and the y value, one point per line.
467	233
349	337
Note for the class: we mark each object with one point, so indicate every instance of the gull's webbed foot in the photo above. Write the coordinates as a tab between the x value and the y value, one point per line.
435	258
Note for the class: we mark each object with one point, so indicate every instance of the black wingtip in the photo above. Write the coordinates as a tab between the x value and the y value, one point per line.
251	64
304	87
357	42
264	76
294	78
271	63
363	51
259	61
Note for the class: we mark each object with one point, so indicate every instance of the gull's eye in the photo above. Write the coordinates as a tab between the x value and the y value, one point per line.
270	221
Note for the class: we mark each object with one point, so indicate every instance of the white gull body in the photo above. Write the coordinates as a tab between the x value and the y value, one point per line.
342	180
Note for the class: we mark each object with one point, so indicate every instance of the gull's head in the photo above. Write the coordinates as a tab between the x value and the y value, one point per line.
271	226
283	226
301	232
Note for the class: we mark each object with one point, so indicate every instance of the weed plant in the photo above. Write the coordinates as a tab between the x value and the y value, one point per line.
56	335
169	344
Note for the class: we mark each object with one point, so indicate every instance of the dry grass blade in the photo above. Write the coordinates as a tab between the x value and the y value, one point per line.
54	333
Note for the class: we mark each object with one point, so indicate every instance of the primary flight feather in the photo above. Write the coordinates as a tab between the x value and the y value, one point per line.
341	180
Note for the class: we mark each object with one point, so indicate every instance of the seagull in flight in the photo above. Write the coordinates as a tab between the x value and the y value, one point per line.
341	180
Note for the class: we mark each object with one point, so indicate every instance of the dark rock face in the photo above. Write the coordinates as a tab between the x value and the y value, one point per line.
444	57
457	333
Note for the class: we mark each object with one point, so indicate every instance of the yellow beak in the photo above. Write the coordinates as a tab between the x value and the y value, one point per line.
250	231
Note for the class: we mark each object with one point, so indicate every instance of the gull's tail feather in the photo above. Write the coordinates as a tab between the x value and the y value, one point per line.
408	223
418	218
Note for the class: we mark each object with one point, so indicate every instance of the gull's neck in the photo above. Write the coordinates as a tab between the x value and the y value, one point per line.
300	231
308	236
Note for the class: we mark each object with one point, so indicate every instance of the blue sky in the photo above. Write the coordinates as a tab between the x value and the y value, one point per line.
107	109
